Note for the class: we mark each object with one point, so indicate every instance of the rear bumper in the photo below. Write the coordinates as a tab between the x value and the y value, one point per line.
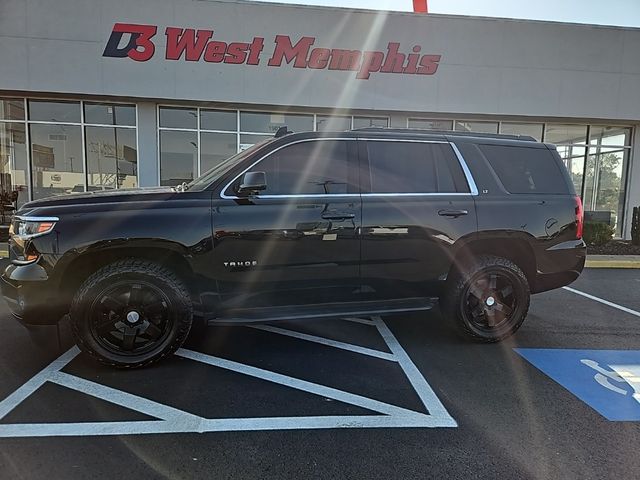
560	265
29	294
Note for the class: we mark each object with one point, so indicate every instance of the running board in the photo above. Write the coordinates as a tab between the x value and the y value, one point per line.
325	310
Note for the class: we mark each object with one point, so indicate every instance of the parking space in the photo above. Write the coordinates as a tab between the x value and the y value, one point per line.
401	396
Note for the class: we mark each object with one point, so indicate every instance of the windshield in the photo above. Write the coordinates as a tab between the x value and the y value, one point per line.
211	175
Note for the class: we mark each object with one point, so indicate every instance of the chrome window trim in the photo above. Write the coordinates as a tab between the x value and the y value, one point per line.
473	189
234	197
26	218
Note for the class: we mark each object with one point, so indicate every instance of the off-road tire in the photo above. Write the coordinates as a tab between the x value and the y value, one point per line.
180	311
455	299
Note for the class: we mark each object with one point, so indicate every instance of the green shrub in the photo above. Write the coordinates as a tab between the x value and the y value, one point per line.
597	233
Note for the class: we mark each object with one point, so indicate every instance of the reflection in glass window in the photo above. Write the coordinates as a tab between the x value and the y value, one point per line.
610	136
175	117
11	109
326	123
427	124
406	167
111	158
477	127
523	169
271	122
574	158
216	147
565	134
218	120
530	129
308	168
364	122
178	156
56	159
247	140
604	183
49	111
106	114
13	161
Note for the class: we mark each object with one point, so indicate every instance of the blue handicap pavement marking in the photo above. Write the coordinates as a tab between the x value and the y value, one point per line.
606	380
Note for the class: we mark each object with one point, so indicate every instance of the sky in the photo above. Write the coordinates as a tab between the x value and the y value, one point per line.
603	12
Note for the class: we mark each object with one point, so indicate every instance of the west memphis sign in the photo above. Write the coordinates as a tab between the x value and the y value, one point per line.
188	44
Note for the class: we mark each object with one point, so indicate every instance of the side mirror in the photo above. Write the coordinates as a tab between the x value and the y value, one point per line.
253	182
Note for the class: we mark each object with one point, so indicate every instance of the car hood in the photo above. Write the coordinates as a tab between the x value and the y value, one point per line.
102	196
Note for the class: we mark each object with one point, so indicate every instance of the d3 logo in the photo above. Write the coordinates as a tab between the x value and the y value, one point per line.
139	48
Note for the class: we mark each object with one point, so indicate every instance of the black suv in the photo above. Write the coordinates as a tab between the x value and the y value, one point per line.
302	226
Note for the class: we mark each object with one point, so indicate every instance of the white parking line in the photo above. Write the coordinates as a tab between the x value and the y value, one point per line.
326	341
296	383
173	420
603	301
36	382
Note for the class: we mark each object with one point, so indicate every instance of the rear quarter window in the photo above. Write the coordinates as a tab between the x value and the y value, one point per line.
525	169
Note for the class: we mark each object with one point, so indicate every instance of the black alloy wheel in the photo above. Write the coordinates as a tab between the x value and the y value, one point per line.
131	313
488	299
130	317
491	299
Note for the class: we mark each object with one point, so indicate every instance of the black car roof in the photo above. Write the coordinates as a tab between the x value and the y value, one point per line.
406	133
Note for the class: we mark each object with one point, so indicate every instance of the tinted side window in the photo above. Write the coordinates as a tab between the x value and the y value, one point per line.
526	170
414	167
309	168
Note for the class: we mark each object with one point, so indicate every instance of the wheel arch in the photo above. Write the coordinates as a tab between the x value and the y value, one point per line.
77	268
512	246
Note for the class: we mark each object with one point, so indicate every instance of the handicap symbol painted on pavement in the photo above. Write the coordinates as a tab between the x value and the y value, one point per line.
606	380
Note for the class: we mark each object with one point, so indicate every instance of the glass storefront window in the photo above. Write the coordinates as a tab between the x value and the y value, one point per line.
531	129
13	162
214	148
175	117
11	109
107	114
604	183
574	158
430	124
178	156
271	122
565	134
218	120
247	141
325	123
478	127
364	122
56	159
609	136
111	158
48	111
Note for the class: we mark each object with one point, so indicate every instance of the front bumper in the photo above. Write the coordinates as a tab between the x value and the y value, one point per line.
30	295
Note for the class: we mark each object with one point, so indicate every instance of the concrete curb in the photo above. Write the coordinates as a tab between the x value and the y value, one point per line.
613	261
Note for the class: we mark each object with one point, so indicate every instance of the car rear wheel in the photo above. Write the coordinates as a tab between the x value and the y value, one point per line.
131	313
489	299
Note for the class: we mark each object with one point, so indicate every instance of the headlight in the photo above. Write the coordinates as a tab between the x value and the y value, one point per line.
25	228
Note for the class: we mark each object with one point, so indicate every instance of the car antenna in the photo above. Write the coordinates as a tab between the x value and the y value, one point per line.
282	131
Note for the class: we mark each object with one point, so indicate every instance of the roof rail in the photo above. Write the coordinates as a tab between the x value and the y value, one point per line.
452	133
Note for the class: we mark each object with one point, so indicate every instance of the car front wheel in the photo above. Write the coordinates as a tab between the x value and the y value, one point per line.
131	313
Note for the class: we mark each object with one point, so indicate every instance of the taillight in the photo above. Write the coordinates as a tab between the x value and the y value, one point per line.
579	217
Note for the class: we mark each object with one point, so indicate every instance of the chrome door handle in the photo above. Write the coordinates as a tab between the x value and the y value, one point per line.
337	215
453	213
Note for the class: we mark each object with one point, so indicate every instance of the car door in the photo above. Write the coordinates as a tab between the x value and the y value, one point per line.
416	204
296	242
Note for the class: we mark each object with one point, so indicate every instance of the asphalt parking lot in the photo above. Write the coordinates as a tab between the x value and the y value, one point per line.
397	397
